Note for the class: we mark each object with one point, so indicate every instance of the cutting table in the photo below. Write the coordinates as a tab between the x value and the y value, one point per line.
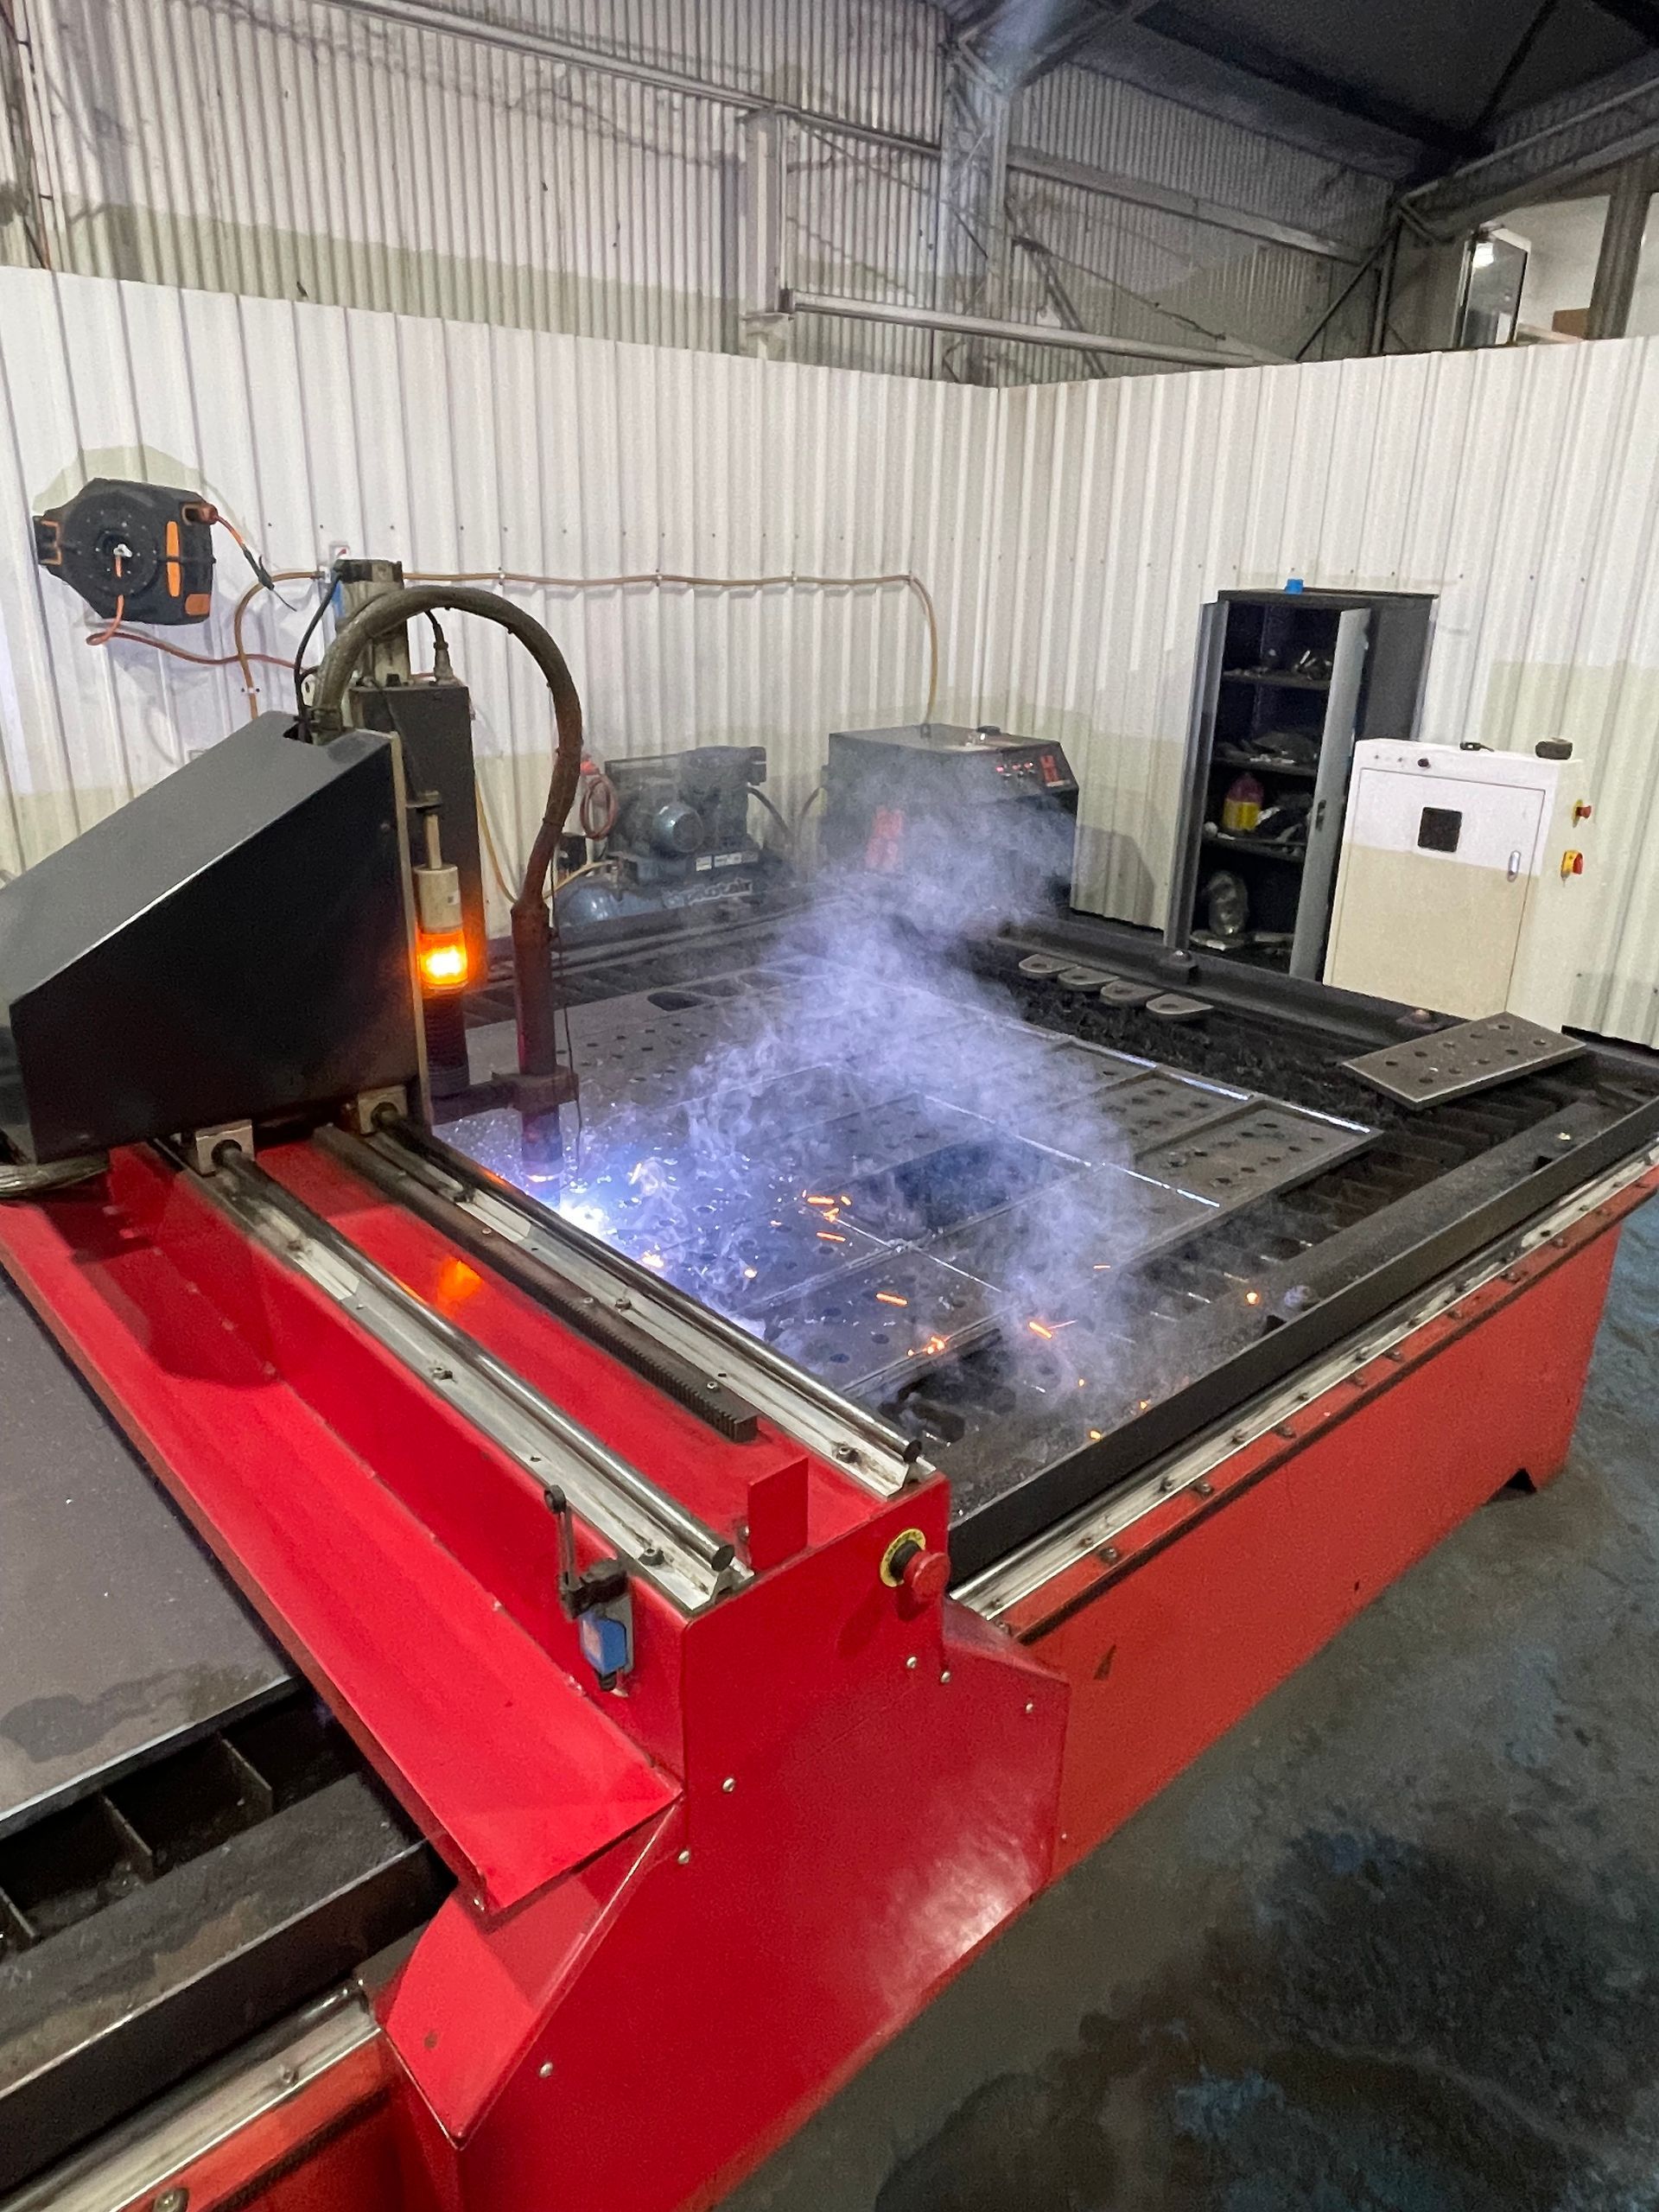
527	1662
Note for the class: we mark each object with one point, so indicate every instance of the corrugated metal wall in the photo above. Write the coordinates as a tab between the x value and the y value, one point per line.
1146	274
465	448
308	150
1069	534
304	149
1521	487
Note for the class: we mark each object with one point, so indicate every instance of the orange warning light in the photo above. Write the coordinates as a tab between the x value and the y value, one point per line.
443	962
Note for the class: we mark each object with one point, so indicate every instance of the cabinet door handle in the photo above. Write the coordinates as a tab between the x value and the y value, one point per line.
1515	863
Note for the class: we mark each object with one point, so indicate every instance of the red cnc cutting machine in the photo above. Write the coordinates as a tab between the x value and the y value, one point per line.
666	1736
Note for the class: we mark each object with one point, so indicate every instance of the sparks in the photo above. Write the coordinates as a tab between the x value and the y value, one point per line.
829	1236
813	1199
1095	1435
889	1298
1252	1298
1040	1329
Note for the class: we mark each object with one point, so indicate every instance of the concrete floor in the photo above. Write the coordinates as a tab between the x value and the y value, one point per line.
1391	1946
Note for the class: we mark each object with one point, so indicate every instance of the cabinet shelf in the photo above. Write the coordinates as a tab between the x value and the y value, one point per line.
1284	678
1291	856
1229	756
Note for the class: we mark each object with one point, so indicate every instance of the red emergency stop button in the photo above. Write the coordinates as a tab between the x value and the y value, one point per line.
1571	864
910	1567
1582	810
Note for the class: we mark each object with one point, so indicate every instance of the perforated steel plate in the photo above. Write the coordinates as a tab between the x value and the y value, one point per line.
872	1142
876	1177
1450	1063
737	1260
1157	1108
1026	1064
1262	1148
1097	1224
897	1316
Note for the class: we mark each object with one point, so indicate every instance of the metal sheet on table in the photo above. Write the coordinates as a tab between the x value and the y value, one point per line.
738	1257
117	1634
1095	1223
1473	1056
1261	1148
899	1315
1002	1063
870	1143
1155	1108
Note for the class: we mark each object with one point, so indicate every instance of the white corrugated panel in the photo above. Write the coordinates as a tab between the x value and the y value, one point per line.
463	448
1520	486
1069	534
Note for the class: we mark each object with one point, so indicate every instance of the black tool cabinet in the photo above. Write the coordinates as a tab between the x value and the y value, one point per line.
1286	684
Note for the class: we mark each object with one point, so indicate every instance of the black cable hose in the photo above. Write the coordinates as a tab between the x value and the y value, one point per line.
532	927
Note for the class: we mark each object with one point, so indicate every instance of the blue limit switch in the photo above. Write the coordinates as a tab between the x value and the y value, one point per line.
597	1598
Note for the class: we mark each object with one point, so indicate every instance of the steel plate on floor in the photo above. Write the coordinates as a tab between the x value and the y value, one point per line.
1450	1063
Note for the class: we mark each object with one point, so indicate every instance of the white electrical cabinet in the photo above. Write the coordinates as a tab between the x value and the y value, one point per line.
1460	886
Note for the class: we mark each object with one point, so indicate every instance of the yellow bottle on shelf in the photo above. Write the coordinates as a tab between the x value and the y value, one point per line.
1241	808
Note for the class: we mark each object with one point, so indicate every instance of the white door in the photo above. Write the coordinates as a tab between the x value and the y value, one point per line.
1434	888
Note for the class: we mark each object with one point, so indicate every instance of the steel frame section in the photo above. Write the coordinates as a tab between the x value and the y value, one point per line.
671	1548
1000	1589
1171	1624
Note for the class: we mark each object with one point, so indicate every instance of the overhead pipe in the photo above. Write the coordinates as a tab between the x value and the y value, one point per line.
1025	334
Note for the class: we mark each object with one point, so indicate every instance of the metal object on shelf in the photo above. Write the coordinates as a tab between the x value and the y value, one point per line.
1175	1006
1119	990
1468	1057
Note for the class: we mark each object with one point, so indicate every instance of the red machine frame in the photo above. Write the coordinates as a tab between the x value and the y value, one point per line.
687	1910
